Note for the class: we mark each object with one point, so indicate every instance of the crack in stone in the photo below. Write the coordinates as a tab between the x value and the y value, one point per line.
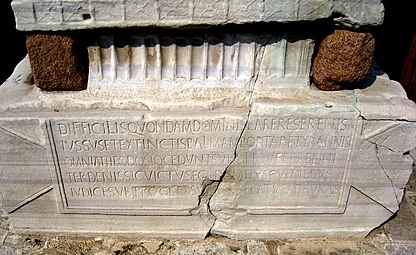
376	146
395	124
235	155
393	185
387	148
375	119
260	55
386	119
145	106
227	169
360	115
363	193
206	184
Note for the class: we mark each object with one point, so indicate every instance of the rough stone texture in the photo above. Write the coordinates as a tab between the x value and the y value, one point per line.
209	248
402	227
80	245
58	62
401	248
74	14
329	247
344	59
57	245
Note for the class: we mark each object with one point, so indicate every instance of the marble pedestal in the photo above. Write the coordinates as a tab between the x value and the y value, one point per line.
267	162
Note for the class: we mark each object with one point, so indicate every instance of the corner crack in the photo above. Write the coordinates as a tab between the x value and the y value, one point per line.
364	194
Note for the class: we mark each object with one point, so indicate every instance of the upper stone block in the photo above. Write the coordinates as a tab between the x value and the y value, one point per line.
81	14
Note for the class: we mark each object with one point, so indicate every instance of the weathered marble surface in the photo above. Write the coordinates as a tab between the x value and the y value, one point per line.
81	14
274	162
206	63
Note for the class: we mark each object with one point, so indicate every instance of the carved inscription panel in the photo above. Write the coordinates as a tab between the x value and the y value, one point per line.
140	165
157	166
295	164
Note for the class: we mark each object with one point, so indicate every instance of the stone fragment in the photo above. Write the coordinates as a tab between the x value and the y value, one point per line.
102	252
152	246
58	62
344	59
329	247
209	248
256	248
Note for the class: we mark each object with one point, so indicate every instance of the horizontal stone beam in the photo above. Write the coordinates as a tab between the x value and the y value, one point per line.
85	14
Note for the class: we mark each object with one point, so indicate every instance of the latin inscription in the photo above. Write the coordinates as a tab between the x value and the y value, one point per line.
122	164
137	166
300	168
